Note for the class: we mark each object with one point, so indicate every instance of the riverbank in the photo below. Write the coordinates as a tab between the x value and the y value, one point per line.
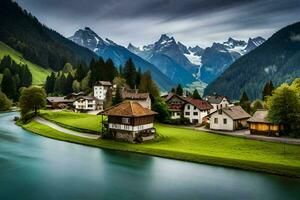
200	147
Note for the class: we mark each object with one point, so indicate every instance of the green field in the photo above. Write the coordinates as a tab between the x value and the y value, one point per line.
74	121
39	74
190	145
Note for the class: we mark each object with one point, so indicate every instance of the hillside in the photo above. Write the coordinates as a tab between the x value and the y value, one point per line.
39	74
277	59
37	43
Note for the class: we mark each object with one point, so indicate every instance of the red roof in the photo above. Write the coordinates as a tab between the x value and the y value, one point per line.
134	95
200	104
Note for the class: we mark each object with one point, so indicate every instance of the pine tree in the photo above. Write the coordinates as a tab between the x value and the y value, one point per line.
110	71
80	73
267	90
50	83
130	74
8	85
148	85
69	84
108	99
118	97
245	103
5	103
196	94
139	76
6	62
244	98
173	90
96	68
179	90
60	84
68	68
26	77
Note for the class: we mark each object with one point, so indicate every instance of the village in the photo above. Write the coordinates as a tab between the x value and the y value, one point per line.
132	120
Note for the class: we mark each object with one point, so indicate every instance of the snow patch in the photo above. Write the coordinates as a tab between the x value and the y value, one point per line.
194	59
270	69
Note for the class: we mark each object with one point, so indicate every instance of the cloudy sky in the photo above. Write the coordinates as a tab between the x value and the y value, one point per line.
193	22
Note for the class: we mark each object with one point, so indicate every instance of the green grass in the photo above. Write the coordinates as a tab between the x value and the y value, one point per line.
39	74
74	121
195	146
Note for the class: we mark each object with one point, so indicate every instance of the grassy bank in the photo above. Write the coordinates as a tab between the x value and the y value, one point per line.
201	147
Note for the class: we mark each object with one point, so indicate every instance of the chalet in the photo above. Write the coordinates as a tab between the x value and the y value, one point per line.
74	95
259	124
175	104
87	103
196	109
100	89
142	98
130	121
218	102
59	102
229	119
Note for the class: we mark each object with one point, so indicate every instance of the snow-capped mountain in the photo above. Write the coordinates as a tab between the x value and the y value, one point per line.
119	54
217	58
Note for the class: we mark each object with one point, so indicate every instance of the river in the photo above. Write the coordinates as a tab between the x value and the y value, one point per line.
34	167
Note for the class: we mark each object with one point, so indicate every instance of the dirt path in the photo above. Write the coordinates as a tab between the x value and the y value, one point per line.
64	130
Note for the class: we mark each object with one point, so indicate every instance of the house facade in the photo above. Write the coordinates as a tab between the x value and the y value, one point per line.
175	105
259	124
87	103
229	119
196	110
142	98
59	102
130	121
218	102
100	89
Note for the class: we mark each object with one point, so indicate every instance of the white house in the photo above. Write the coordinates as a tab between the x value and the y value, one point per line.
229	119
218	102
100	89
196	109
87	103
142	98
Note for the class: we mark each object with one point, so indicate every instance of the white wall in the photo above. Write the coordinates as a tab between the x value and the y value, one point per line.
191	109
100	92
223	104
175	114
220	125
130	128
82	104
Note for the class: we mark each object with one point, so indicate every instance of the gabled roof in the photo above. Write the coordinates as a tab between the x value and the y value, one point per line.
128	109
215	99
260	116
86	98
234	112
59	100
103	83
171	95
134	95
199	103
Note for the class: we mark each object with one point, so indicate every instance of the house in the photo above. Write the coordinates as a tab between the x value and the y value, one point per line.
142	98
130	121
100	89
229	119
175	104
259	124
87	103
58	102
218	102
74	95
196	109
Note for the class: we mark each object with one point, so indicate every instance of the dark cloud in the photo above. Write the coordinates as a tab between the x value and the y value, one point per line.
191	21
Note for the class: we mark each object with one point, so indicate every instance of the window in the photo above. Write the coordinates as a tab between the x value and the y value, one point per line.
217	107
195	113
195	107
187	113
188	107
224	121
215	120
125	120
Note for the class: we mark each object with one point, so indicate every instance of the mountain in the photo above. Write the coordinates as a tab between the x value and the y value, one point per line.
277	59
36	42
169	57
217	58
119	54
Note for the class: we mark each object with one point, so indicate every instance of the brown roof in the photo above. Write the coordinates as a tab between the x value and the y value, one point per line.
171	95
260	116
215	98
59	100
134	95
128	109
235	112
86	98
104	83
200	104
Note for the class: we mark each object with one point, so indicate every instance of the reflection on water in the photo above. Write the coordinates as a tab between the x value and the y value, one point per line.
34	167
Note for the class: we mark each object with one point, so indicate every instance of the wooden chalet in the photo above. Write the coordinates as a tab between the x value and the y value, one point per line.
130	121
259	124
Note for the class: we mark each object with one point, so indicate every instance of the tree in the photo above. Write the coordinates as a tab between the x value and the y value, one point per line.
179	90
148	85
296	86
161	108
76	86
284	108
32	99
245	103
268	89
8	85
121	82
5	103
25	77
196	94
50	83
68	68
108	98
130	74
60	84
84	84
80	73
69	84
256	105
96	69
173	90
118	97
244	98
110	71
